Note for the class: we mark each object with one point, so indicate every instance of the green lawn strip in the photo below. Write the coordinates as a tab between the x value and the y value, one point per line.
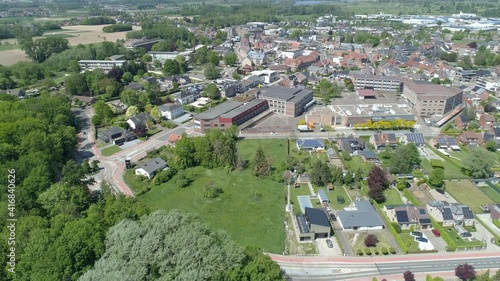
491	191
497	223
110	150
250	209
392	197
459	241
410	242
5	47
356	163
338	191
465	192
452	161
407	193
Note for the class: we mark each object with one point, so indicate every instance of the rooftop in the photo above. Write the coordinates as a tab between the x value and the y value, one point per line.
284	93
317	217
238	110
362	215
429	89
218	110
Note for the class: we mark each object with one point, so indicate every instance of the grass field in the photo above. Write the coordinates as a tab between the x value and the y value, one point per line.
490	192
410	242
460	242
4	47
359	244
108	151
247	209
465	192
392	197
338	191
275	149
450	170
356	162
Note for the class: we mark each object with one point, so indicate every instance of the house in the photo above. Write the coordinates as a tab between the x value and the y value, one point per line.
138	120
171	111
323	198
367	155
187	97
313	224
494	211
468	137
350	144
443	142
407	215
360	217
151	167
19	93
390	179
416	138
450	214
486	121
85	100
173	139
381	140
257	58
310	144
462	121
116	136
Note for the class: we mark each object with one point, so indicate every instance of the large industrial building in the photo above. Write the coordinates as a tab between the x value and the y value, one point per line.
428	99
227	114
290	102
376	82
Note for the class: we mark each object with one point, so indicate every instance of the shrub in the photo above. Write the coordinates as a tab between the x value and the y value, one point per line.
212	191
392	250
435	163
371	240
412	227
359	253
368	252
385	251
376	252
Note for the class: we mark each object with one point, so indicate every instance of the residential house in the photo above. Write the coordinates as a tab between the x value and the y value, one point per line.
171	111
408	215
257	58
187	97
313	224
280	68
486	121
85	100
450	214
462	121
151	167
350	144
362	216
138	120
382	140
468	137
173	139
310	144
494	211
415	138
367	155
332	154
116	136
443	141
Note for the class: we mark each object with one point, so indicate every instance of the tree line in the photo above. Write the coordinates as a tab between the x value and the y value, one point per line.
117	28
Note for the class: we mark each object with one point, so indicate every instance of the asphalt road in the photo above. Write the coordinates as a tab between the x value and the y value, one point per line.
352	270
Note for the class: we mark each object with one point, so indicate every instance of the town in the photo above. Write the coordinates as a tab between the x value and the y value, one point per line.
329	146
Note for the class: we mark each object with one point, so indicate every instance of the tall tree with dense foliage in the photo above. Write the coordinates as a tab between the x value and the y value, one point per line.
230	58
436	178
211	91
376	184
41	49
75	84
403	159
321	174
479	162
408	276
261	165
465	272
211	71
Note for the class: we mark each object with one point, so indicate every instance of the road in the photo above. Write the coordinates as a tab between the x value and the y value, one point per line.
113	167
355	268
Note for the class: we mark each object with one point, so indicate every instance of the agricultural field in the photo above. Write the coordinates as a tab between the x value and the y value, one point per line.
465	192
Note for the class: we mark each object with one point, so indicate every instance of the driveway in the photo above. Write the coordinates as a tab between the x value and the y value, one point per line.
485	218
482	234
437	242
429	154
323	249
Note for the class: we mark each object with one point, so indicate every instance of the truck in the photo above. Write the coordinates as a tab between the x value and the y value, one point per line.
303	128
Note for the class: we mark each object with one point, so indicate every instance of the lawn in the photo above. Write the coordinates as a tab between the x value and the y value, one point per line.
275	148
459	241
357	162
250	209
110	150
338	191
465	192
5	47
359	244
490	192
392	197
450	171
410	242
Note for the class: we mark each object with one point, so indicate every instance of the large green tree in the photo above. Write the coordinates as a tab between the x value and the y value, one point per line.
41	49
479	162
211	71
403	158
211	91
261	165
75	84
321	174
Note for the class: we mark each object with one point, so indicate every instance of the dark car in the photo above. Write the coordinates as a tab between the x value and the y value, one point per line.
422	239
440	190
329	243
436	233
466	234
416	233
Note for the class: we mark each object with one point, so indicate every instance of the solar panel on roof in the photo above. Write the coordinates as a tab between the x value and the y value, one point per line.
402	216
425	220
301	220
422	211
467	213
447	215
452	141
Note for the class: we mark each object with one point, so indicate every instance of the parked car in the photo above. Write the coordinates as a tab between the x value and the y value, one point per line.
436	232
421	239
466	234
440	190
416	233
329	243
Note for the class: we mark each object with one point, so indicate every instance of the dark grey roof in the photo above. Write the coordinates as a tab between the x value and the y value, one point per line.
310	143
237	111
364	216
153	165
113	131
284	93
322	196
331	152
169	107
301	221
368	154
218	110
447	214
402	216
417	138
141	118
425	221
317	217
467	212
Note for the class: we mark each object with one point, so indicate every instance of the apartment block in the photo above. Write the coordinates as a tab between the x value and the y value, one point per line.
376	82
290	102
106	65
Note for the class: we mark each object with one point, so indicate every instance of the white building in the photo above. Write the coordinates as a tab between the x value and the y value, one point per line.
292	53
268	76
150	168
171	111
106	65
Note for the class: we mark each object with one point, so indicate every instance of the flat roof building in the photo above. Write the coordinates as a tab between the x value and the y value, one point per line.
290	102
106	65
376	82
428	99
227	114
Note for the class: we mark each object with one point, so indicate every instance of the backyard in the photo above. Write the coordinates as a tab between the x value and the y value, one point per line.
357	240
392	197
491	192
465	192
357	162
333	194
450	171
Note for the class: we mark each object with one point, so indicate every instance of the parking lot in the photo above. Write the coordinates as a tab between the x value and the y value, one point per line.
323	249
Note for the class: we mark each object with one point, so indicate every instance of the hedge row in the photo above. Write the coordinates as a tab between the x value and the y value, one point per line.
452	246
435	163
445	157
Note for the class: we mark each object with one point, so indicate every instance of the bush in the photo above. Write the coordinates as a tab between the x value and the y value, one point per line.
412	227
168	124
397	227
371	240
359	253
212	191
392	250
435	163
384	251
376	252
368	252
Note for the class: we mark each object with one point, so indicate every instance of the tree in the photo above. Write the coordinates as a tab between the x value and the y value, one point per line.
115	73
436	178
230	58
182	180
403	158
86	167
465	272
181	60
75	84
376	184
171	67
491	146
435	80
211	91
73	174
129	97
321	174
213	58
41	49
212	190
131	111
371	240
95	166
261	165
408	276
479	162
185	153
211	71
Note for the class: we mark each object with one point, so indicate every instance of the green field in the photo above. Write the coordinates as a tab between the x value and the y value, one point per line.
460	242
392	197
357	162
465	192
338	191
359	244
410	242
250	209
450	171
275	149
490	192
5	47
61	35
108	151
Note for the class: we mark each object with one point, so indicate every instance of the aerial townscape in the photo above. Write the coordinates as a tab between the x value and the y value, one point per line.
233	140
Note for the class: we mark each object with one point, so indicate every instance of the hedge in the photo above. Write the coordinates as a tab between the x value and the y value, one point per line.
497	223
452	246
435	163
391	229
